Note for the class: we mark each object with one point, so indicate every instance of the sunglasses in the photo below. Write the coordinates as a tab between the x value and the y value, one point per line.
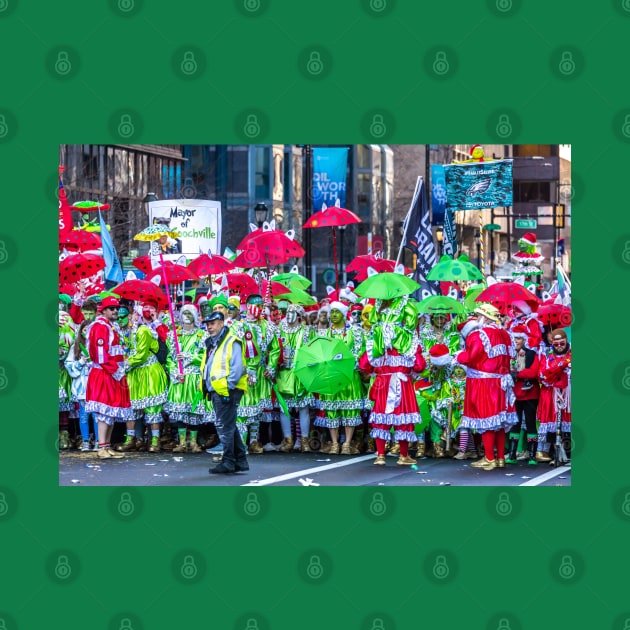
558	343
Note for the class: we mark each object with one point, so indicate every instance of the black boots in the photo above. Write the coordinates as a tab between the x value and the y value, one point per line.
513	445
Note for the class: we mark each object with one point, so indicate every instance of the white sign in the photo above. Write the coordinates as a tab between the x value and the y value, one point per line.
197	222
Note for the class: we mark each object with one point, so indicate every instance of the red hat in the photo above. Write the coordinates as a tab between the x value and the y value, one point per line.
422	383
150	302
529	238
520	331
474	146
439	355
108	301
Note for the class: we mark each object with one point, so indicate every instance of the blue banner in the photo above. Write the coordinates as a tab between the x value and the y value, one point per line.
478	185
329	176
438	194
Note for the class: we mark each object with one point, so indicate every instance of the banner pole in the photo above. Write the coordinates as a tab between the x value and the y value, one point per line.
406	222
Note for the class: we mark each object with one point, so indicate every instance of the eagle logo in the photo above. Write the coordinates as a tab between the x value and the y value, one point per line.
478	188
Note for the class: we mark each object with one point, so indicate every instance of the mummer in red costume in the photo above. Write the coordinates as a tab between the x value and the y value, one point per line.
554	407
393	354
107	392
489	402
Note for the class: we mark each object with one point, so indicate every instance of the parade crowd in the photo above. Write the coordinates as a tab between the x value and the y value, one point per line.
484	385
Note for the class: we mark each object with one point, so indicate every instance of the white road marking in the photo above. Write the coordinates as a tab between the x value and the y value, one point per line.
355	460
536	481
309	471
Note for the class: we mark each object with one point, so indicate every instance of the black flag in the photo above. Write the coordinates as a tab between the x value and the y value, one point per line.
419	238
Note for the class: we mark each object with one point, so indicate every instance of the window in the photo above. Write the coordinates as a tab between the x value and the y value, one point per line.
262	177
531	191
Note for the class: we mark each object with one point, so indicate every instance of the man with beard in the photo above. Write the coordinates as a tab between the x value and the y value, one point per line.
489	401
554	405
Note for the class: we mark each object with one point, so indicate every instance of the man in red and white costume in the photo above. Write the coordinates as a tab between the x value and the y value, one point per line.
489	401
555	393
107	392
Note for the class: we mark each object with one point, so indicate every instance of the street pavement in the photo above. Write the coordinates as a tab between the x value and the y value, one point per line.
295	469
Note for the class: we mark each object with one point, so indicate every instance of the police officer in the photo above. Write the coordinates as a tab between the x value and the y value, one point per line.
224	380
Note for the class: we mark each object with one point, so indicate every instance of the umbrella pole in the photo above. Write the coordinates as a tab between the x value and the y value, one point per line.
268	296
335	258
170	311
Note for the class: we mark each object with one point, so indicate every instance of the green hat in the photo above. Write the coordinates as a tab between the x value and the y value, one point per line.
65	298
218	299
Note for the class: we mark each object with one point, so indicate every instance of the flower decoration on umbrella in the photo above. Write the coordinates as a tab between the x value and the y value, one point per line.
332	216
80	266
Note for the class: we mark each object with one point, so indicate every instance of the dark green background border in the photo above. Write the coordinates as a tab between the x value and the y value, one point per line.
375	58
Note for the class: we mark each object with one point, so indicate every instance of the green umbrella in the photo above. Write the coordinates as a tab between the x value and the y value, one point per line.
298	296
386	286
440	304
459	269
292	280
471	295
324	365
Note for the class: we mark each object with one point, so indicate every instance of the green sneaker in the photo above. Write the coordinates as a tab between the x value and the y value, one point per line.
511	461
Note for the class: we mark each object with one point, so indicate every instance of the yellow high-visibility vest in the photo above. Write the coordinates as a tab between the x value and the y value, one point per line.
220	366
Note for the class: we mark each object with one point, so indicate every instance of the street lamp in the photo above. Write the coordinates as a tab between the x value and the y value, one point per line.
260	212
439	237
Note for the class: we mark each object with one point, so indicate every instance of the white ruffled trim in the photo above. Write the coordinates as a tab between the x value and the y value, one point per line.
119	414
503	420
394	419
382	434
335	423
335	405
149	401
492	351
408	436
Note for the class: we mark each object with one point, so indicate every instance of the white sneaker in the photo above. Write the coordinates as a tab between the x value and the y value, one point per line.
298	445
522	455
85	447
270	447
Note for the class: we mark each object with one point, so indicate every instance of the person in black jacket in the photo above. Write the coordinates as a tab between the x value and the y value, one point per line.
527	391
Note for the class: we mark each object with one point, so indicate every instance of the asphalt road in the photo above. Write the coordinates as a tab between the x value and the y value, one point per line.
295	469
